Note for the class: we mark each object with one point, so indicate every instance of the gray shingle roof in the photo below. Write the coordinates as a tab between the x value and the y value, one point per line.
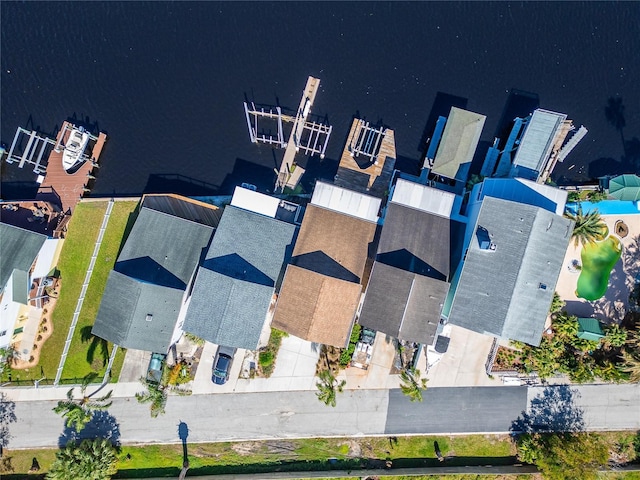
234	286
123	313
408	283
18	250
150	276
403	304
163	249
507	292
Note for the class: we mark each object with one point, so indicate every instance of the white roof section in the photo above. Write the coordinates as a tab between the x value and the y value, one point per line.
346	201
537	141
46	257
423	198
255	202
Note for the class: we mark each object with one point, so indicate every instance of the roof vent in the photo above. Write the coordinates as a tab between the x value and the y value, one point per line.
542	286
149	317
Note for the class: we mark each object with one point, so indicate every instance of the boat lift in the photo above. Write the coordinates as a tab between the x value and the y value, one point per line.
34	141
307	137
366	141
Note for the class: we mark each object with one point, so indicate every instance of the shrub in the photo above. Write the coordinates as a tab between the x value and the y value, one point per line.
265	359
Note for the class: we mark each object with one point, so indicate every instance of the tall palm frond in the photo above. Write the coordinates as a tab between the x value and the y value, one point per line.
588	227
155	395
78	412
412	385
328	388
631	366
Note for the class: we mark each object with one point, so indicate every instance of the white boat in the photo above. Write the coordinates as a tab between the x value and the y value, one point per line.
72	155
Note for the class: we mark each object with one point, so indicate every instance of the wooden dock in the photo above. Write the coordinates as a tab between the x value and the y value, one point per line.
70	188
367	169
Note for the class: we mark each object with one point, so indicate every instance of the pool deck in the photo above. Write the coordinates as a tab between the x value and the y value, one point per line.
614	305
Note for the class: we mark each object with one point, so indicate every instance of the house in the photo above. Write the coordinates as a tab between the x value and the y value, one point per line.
146	290
511	265
457	146
419	245
242	267
323	282
24	259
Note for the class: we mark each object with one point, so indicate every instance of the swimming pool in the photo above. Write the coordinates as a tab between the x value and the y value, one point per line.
598	259
606	207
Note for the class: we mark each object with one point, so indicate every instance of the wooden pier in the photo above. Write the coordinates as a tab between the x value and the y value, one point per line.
70	188
306	137
59	192
368	159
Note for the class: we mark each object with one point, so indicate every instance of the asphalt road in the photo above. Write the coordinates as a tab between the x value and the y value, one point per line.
456	410
244	416
253	416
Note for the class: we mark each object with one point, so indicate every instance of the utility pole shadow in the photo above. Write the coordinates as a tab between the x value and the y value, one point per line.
183	433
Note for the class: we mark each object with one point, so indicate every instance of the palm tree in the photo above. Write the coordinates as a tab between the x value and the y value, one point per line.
91	460
412	385
565	327
155	394
557	304
329	387
96	343
614	336
78	412
588	227
631	366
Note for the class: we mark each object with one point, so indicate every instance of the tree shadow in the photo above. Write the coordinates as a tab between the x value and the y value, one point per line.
96	343
614	111
7	416
102	425
553	410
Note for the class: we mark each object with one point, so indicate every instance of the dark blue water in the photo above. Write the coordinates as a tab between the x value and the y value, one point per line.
166	81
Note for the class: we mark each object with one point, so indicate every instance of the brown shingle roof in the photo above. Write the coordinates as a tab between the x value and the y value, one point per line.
344	239
316	307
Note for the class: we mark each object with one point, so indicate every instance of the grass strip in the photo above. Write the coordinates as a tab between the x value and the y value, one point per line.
316	454
90	354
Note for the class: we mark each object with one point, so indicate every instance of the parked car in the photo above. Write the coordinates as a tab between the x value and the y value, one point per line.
154	372
222	364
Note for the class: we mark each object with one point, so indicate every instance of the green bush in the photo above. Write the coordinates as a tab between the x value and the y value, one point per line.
265	358
355	334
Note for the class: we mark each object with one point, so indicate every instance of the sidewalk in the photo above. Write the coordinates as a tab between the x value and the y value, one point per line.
462	365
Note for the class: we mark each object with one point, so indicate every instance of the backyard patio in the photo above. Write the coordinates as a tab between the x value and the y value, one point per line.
613	306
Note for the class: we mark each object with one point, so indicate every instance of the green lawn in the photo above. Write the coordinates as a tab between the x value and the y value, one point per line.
73	263
310	454
297	455
79	363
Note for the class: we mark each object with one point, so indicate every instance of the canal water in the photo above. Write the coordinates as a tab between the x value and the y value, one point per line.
167	80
